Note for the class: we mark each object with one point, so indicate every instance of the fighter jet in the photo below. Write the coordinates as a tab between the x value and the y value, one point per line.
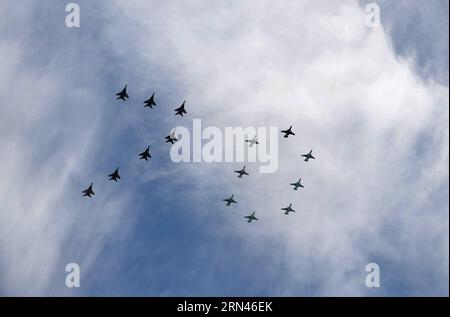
230	200
288	209
115	175
123	94
252	141
88	192
171	138
242	172
297	185
308	156
251	217
288	132
146	154
150	102
180	110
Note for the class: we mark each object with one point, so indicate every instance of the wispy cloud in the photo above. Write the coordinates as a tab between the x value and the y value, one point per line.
378	190
378	130
52	128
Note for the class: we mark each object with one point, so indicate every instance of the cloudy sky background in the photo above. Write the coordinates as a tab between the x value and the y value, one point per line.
372	103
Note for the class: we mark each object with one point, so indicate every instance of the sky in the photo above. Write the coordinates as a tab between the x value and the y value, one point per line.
371	102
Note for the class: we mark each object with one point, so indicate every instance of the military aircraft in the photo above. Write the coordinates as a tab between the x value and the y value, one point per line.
251	217
288	132
288	209
242	172
150	102
88	192
146	154
171	138
252	141
308	156
123	94
115	175
180	110
230	200
297	185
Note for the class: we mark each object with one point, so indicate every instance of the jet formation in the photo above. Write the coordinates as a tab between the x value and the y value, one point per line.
146	154
288	132
251	217
297	184
123	94
230	200
288	209
242	172
308	156
171	138
253	141
114	176
88	192
180	110
150	102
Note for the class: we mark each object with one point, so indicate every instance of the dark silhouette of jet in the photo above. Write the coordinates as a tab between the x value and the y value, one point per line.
253	141
180	110
123	94
288	132
230	200
171	138
308	156
150	102
251	217
242	172
297	185
115	175
88	192
288	209
146	154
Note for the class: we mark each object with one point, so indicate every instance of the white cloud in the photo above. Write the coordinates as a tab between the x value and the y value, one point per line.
370	193
362	109
49	128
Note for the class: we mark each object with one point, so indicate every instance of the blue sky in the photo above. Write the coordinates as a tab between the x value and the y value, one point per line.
373	103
